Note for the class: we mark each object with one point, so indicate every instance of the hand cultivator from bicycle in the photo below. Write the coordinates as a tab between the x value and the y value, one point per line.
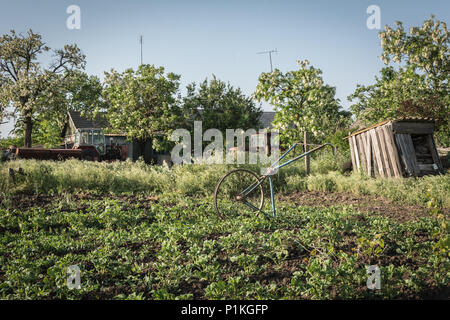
241	191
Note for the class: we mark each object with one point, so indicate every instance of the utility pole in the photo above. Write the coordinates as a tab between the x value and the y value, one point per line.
270	56
140	40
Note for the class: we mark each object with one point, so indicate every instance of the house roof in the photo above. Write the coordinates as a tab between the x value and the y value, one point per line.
83	122
266	119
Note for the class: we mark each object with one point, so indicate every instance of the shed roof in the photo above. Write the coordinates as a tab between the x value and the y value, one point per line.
379	124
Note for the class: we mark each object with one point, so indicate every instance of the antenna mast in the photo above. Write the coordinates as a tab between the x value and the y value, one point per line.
270	56
140	40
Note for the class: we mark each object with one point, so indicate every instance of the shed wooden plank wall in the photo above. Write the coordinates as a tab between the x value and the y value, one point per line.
395	149
392	150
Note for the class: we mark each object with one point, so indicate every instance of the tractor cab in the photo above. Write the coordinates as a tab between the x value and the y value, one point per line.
89	138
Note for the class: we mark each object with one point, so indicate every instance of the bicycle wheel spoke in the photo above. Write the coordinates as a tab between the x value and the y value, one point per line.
238	193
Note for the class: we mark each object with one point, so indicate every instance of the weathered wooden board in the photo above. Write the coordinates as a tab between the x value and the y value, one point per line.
355	146
392	150
377	152
427	168
384	153
408	155
404	154
352	152
434	153
409	127
362	152
368	147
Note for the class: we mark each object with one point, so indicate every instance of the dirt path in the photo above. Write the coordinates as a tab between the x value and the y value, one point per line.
369	204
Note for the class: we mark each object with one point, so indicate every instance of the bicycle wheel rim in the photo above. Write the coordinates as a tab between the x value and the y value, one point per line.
229	199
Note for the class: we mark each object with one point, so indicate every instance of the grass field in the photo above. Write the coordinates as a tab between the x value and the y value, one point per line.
139	232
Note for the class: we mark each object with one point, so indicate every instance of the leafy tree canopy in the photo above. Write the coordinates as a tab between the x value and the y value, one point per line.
415	80
24	82
143	103
221	106
302	102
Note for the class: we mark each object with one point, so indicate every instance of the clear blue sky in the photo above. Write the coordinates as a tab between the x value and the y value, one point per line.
198	38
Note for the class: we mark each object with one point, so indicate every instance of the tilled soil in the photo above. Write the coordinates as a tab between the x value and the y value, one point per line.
401	212
280	275
24	201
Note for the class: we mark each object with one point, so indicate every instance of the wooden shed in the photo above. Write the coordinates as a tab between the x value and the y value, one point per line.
396	148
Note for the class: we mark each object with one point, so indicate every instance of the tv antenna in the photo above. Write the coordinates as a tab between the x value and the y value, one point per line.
140	41
270	56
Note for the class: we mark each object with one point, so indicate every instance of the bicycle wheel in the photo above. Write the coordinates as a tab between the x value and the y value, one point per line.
229	196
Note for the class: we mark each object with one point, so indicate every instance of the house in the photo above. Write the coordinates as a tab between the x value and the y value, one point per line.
83	129
396	148
267	119
91	130
260	140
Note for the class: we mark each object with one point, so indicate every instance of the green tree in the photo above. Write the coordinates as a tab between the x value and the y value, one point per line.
302	103
220	106
24	82
414	82
74	91
143	103
77	92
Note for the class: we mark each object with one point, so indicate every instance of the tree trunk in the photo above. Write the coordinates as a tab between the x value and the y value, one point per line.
28	130
307	160
64	129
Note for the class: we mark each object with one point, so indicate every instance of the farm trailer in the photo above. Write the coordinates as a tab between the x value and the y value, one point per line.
89	145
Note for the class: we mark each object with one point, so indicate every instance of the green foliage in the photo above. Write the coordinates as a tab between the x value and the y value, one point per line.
220	106
166	247
75	91
142	103
418	87
50	177
24	83
425	48
303	102
442	231
15	141
48	134
147	232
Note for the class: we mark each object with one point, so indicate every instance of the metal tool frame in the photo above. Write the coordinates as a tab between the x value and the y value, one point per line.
274	168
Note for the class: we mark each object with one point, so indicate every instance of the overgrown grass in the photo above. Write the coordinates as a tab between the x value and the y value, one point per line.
49	177
411	190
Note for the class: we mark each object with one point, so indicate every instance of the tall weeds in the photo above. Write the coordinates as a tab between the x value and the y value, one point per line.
71	176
